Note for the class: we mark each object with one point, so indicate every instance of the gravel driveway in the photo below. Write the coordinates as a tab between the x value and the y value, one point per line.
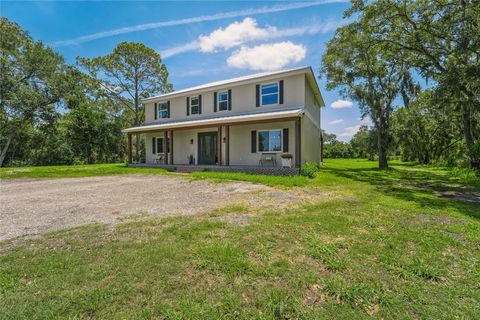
29	207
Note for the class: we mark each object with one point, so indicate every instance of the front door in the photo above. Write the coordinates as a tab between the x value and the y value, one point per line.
207	148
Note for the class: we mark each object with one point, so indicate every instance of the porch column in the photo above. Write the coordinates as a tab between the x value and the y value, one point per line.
227	145
165	139
171	147
129	148
219	145
298	141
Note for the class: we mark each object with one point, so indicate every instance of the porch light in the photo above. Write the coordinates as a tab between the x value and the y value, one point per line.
191	141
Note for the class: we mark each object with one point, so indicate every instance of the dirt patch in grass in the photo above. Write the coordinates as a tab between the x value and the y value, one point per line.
472	197
314	296
237	219
437	219
462	193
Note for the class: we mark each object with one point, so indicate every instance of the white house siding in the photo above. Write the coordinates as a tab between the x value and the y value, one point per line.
243	100
310	128
310	141
310	105
182	146
240	142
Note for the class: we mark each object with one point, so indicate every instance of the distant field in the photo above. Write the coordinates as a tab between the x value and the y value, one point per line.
396	244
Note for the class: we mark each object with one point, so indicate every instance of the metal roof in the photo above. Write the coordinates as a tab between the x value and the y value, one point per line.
218	120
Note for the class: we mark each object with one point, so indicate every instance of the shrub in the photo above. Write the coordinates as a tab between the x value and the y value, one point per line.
309	169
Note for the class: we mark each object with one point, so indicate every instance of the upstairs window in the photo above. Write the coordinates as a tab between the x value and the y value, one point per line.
223	101
194	105
269	93
270	141
163	110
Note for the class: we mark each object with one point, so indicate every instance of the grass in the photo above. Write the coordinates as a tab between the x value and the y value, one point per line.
274	181
74	171
386	244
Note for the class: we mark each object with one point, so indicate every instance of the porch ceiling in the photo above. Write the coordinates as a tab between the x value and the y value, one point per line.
221	120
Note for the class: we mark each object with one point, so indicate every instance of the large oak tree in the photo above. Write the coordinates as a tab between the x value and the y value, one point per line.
441	40
366	72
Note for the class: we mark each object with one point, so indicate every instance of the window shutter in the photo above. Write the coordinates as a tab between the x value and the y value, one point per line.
168	109
188	106
254	141
281	92
285	140
156	111
229	99
215	102
153	145
257	95
199	104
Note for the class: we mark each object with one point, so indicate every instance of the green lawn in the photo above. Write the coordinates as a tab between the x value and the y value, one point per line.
397	244
74	171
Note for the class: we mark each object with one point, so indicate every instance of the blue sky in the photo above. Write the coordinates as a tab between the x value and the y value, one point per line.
199	41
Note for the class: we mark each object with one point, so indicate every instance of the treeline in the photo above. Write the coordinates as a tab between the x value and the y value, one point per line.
426	131
362	145
423	53
55	113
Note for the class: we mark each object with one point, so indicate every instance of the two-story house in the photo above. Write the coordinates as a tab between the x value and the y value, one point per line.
238	124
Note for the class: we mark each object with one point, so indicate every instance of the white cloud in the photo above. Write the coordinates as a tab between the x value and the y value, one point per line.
179	49
241	32
234	35
348	133
218	16
341	104
336	121
267	57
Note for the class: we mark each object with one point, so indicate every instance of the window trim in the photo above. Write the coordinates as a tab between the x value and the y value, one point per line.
269	130
165	110
197	105
269	94
218	101
156	145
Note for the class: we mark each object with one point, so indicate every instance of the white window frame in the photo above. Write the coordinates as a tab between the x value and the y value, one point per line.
159	110
226	101
197	105
269	130
163	145
270	94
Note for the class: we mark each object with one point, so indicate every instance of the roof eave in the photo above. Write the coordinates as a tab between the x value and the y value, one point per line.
215	121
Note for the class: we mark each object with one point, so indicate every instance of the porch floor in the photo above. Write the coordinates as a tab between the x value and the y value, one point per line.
278	171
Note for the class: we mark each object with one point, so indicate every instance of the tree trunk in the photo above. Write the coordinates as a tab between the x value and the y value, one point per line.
469	139
382	141
382	151
5	149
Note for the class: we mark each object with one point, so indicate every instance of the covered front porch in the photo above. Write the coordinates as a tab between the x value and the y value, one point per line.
268	143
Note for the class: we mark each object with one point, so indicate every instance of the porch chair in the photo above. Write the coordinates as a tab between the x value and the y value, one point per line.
160	159
268	157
